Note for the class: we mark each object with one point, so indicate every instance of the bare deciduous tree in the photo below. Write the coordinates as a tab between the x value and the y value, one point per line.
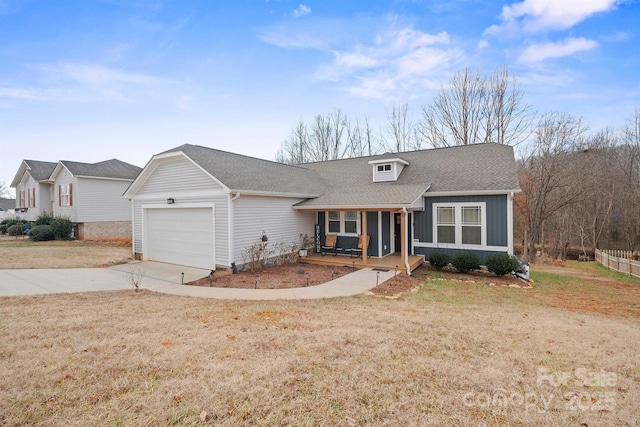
473	109
400	130
628	156
5	191
547	176
329	137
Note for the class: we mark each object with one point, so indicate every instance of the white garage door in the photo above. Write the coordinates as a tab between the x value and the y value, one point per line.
181	236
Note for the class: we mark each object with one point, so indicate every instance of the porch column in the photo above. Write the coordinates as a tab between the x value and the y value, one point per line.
364	233
403	236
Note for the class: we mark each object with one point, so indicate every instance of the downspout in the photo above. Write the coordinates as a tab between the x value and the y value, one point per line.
406	251
232	239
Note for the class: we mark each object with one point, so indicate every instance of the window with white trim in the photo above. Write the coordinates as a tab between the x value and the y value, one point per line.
471	225
446	219
65	195
334	222
343	222
460	224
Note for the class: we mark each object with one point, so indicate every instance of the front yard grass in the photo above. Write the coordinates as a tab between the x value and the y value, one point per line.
22	253
564	352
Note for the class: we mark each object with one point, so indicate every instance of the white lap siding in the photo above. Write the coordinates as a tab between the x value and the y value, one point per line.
253	215
101	200
187	184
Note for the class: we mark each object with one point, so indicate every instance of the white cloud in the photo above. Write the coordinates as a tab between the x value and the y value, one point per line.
618	36
532	16
66	82
301	11
394	61
99	75
482	44
397	60
540	51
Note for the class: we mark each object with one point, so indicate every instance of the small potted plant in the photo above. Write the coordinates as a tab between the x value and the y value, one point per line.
305	244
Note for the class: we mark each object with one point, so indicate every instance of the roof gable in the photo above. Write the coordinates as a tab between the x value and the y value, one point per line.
239	173
38	170
108	169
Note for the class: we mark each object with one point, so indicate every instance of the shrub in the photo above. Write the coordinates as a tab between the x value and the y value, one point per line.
439	260
15	230
44	218
501	264
62	228
465	262
40	233
6	223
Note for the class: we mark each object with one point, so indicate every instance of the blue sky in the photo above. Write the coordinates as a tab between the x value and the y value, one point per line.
93	80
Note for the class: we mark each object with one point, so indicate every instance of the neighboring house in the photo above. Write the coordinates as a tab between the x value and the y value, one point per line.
7	207
90	194
33	189
203	207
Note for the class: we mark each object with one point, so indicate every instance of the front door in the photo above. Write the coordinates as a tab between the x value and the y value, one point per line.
397	228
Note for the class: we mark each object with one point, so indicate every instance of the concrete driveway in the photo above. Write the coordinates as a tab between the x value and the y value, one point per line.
168	278
50	281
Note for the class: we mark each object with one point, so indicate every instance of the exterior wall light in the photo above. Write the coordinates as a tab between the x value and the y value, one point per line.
171	201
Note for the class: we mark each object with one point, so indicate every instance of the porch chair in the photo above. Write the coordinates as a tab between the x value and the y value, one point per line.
330	245
363	241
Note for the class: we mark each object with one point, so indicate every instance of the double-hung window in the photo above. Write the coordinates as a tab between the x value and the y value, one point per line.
65	195
460	224
343	222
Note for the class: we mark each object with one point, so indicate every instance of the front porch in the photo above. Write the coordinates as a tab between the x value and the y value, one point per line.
389	262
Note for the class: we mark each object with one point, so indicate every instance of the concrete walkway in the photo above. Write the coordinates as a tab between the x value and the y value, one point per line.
168	279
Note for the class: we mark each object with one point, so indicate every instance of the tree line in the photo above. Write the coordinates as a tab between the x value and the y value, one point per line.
580	189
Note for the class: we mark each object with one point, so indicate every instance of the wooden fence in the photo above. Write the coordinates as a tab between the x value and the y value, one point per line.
620	261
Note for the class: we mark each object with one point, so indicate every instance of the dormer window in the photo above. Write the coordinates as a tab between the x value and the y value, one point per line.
388	169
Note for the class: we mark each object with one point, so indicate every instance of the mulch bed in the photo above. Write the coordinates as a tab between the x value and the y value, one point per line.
276	277
301	275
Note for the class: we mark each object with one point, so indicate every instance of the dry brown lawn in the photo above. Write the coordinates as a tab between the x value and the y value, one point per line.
23	253
452	353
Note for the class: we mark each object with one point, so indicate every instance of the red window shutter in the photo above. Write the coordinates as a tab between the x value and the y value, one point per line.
34	197
70	195
59	195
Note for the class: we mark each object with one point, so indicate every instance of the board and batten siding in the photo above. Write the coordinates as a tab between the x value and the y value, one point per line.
273	216
102	200
497	207
71	212
174	177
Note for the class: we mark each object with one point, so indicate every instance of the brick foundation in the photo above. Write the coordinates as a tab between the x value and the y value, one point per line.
111	231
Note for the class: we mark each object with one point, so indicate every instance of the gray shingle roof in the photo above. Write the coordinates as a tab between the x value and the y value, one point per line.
470	169
239	172
113	168
40	171
460	169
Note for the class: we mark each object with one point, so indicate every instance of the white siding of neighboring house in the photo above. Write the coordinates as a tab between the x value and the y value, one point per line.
101	200
274	216
180	179
71	212
41	198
